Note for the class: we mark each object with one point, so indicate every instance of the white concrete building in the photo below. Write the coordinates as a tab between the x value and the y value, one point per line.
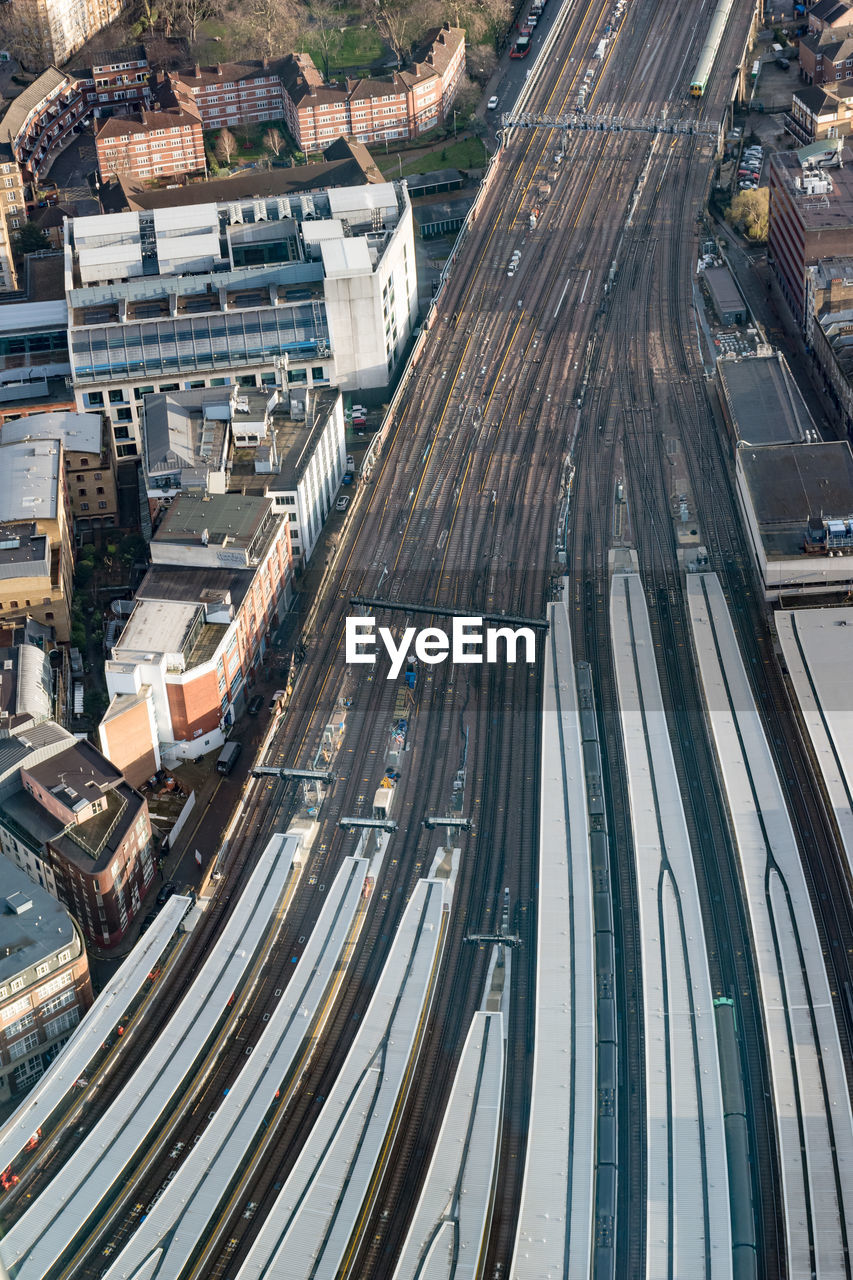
299	291
303	465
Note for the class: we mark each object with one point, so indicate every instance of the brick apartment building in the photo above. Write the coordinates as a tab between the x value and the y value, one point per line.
13	214
85	834
811	217
232	93
404	105
45	986
42	120
826	57
829	15
218	586
820	113
159	143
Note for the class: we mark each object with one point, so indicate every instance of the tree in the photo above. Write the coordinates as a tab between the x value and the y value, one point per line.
226	146
396	23
22	34
274	141
751	210
31	239
187	15
325	26
271	25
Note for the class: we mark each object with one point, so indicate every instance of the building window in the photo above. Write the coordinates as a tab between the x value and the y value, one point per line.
94	399
116	397
63	1023
20	1047
102	506
124	415
139	392
84	506
57	1002
15	1028
81	493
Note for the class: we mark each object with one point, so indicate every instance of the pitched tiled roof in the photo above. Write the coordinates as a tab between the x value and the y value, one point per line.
25	102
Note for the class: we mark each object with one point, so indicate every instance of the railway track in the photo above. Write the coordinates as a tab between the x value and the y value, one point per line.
463	512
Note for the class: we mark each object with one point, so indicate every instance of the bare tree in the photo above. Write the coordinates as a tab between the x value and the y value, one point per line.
23	35
325	26
274	141
396	22
226	146
269	24
186	16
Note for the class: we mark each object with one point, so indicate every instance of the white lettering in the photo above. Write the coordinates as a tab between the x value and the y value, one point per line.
359	634
467	639
512	638
431	646
397	653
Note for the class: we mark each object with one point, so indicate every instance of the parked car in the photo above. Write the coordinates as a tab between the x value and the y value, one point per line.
147	923
350	461
521	48
342	504
348	477
166	892
255	705
492	103
276	698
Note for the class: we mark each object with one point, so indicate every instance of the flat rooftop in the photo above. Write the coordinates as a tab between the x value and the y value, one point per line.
830	212
21	550
27	936
157	626
788	484
724	292
190	585
232	519
764	403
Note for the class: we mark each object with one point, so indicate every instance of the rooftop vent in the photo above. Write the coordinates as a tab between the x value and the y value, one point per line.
18	903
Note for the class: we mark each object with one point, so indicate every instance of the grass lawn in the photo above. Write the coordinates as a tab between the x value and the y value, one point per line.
207	49
464	153
355	46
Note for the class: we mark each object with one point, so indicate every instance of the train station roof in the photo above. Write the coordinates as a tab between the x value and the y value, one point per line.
762	403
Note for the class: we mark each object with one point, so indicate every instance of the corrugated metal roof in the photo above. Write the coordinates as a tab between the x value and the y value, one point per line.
79	432
180	1219
87	1040
38	1239
687	1169
793	981
310	1223
458	1186
554	1234
29	480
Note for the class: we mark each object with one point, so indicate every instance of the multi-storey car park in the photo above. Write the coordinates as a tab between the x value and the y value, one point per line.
552	415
